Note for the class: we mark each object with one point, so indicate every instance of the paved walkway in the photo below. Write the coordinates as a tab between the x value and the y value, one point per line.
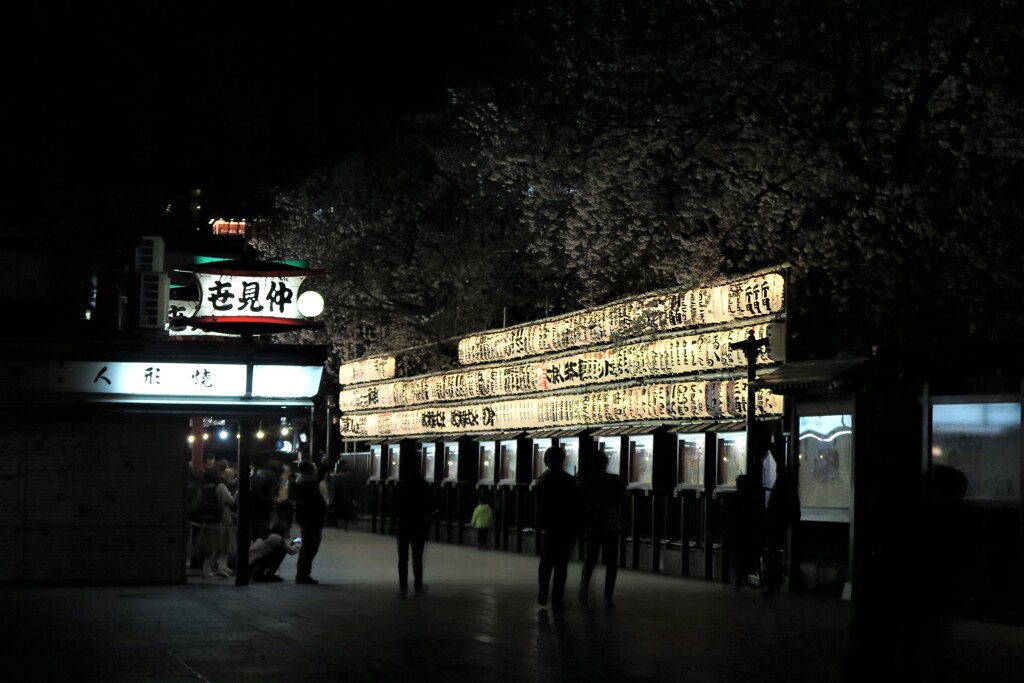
478	622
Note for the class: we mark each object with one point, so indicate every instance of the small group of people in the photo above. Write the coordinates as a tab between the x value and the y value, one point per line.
569	509
213	516
270	520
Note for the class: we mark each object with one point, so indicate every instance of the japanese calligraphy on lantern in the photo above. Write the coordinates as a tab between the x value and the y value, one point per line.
367	370
652	402
762	295
675	355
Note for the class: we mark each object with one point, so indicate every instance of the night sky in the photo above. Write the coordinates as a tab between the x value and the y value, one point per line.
224	96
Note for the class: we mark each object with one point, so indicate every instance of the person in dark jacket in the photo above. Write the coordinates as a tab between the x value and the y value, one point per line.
603	493
311	514
413	508
263	490
558	507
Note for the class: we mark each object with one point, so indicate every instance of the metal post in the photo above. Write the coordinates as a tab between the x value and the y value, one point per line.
242	503
327	429
751	346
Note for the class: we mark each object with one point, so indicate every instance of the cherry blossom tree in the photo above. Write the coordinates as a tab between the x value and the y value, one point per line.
619	149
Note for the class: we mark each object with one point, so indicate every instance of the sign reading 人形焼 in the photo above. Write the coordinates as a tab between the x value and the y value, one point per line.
652	402
763	295
193	379
675	355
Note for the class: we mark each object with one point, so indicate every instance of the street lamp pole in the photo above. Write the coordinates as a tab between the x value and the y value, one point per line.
751	346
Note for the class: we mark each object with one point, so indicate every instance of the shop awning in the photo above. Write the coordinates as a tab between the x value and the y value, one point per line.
555	433
808	375
625	430
691	428
496	436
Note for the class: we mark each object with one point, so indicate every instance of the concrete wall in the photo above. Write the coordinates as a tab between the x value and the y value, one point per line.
93	499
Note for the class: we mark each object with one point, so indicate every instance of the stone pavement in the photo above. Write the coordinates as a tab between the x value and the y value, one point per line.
479	621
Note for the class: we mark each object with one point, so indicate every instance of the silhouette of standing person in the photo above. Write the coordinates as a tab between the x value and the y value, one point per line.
342	493
311	514
558	507
603	493
744	529
413	508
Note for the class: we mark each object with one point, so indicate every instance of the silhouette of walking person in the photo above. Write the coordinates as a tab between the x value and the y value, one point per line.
558	506
413	508
603	493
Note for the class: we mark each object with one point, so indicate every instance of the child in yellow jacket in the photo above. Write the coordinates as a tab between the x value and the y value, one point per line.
483	518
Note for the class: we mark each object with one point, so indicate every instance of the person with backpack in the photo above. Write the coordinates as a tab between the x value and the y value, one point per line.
216	538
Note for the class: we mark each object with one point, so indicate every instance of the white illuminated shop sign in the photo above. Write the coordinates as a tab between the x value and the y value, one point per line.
156	378
654	402
241	296
753	297
677	355
184	379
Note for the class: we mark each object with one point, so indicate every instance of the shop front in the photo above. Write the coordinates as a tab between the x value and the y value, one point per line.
102	438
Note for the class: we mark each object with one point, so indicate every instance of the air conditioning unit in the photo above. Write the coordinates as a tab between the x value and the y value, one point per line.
149	255
154	292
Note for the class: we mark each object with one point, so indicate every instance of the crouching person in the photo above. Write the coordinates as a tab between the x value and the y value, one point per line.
266	554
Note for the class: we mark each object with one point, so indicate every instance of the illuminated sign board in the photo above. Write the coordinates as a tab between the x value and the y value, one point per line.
156	378
248	297
367	370
753	297
653	402
194	379
677	355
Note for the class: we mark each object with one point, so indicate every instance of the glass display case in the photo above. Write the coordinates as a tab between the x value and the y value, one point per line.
539	447
451	460
376	452
487	456
981	440
825	473
732	457
508	451
394	455
571	446
690	461
610	446
641	460
427	459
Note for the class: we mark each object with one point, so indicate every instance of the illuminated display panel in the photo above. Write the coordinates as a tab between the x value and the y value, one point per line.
571	446
427	457
668	356
376	451
749	298
641	460
732	457
610	446
451	460
653	402
487	455
394	453
690	468
508	452
539	447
